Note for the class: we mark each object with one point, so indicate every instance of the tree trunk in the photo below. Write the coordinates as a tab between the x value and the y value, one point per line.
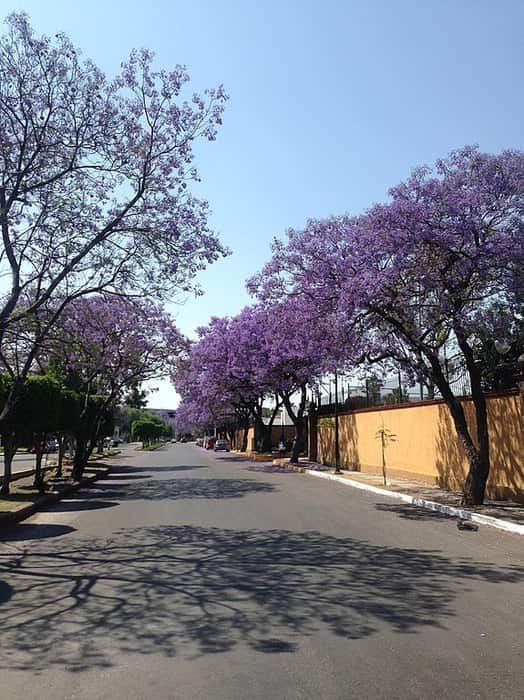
478	457
313	436
9	443
266	439
245	432
61	451
298	421
474	488
261	435
80	458
41	445
39	476
300	439
475	485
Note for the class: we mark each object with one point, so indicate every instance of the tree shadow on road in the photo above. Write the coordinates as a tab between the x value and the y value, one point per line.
26	531
176	489
229	457
412	512
269	469
128	477
73	505
193	591
5	592
122	470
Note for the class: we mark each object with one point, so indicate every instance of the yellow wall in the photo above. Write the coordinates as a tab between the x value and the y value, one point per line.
276	434
425	444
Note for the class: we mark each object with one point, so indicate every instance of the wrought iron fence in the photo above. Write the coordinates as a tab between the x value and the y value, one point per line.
377	392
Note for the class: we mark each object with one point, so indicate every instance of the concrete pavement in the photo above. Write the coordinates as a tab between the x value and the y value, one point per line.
194	575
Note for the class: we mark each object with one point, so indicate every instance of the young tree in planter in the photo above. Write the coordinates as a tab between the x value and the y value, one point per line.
418	274
94	177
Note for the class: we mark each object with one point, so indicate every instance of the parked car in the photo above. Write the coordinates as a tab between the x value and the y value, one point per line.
199	442
221	445
40	448
209	443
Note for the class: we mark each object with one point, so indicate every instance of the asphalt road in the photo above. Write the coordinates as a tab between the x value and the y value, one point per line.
189	575
22	461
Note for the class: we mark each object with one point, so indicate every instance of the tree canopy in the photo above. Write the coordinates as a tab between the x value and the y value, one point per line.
95	178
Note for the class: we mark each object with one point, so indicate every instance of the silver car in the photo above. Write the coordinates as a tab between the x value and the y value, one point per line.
221	445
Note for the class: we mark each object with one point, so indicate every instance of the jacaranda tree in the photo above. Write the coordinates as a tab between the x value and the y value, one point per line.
94	182
421	274
103	346
217	380
301	342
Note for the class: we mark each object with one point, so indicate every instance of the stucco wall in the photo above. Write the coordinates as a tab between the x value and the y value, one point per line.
423	443
276	433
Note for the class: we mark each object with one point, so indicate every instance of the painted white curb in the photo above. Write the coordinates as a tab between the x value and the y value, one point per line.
423	503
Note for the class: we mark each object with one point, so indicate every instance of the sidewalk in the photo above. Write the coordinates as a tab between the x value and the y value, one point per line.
25	500
505	515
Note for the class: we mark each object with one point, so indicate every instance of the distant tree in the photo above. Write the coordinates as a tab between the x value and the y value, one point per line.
124	417
396	395
136	397
499	343
373	388
147	430
218	379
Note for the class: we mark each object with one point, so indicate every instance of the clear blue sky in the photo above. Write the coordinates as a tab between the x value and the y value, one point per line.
331	103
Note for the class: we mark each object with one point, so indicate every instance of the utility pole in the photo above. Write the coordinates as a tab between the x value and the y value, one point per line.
337	444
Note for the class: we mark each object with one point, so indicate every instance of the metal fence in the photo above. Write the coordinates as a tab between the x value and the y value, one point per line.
374	391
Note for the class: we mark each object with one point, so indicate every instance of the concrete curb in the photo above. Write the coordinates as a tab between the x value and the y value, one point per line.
424	503
29	472
254	456
413	500
17	516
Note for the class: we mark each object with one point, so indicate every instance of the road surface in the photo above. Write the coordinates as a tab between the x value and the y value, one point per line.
190	575
22	461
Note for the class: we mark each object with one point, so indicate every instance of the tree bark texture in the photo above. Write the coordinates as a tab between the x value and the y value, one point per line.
478	456
9	443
